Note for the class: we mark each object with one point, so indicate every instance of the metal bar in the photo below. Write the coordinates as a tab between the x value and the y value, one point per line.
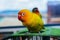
34	37
52	25
46	25
38	37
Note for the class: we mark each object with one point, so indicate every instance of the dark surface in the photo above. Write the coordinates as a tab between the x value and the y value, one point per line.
46	37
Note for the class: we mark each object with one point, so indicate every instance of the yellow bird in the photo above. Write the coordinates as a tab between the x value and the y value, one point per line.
31	20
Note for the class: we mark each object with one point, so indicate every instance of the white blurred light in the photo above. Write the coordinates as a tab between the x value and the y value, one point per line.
23	0
19	4
53	0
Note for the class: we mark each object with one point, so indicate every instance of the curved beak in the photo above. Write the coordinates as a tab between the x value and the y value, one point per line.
19	17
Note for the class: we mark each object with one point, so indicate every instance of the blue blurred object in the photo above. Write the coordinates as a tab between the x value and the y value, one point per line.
54	8
52	25
1	18
7	12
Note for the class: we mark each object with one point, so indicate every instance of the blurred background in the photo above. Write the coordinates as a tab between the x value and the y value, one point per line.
53	12
50	11
10	8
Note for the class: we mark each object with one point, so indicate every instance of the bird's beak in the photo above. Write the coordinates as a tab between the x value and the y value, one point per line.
19	17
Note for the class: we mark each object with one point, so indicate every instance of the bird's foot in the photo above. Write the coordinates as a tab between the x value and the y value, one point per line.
41	31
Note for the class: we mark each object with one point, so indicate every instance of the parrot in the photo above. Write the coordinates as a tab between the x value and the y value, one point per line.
36	11
31	20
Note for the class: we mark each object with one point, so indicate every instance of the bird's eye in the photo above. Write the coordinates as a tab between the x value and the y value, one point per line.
23	14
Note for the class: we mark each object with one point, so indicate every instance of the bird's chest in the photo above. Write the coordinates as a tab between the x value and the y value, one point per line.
27	24
31	25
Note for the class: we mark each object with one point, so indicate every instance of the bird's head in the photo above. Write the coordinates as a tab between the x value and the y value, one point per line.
24	14
35	10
